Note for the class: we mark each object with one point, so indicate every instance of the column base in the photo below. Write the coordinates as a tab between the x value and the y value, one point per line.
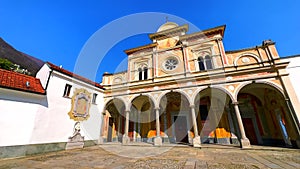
138	139
101	140
197	142
157	141
245	143
125	140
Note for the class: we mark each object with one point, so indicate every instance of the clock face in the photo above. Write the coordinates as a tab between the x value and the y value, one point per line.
170	64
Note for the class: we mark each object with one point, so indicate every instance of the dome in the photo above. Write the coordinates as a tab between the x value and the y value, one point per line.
167	25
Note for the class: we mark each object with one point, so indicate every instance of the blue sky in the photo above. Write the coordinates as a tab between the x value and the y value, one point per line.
56	31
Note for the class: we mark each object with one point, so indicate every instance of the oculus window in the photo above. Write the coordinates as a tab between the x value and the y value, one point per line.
171	64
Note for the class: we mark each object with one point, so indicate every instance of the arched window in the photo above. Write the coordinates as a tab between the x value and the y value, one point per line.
208	62
145	73
201	63
140	73
205	64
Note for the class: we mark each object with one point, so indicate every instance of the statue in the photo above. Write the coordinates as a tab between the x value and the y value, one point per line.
76	140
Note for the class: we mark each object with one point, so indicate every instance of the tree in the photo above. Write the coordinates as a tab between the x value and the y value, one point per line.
8	65
5	64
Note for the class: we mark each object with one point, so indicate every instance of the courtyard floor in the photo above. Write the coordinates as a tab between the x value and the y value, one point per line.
147	156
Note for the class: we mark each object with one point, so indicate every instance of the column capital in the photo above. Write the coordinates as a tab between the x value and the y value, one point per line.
156	108
192	106
235	103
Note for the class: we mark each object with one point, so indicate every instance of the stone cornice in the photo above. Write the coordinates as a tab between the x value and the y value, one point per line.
270	73
241	50
212	31
132	50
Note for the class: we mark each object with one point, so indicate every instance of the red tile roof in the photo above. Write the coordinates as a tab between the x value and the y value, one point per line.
17	81
68	73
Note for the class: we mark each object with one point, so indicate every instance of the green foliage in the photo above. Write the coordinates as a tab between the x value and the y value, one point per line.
8	65
5	64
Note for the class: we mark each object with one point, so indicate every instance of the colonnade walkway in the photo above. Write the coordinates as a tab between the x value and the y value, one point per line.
143	155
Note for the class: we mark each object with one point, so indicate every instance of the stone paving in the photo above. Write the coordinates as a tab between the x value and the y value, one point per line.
116	156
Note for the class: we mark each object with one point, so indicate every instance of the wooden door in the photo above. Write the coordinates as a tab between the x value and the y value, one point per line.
181	132
249	130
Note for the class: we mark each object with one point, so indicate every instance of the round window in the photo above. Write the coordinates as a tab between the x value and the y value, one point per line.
171	64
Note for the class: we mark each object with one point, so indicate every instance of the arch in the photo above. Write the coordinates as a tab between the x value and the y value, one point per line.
213	87
271	122
142	65
178	91
212	110
225	91
197	92
118	80
143	94
246	54
241	86
118	98
184	94
162	94
142	71
216	87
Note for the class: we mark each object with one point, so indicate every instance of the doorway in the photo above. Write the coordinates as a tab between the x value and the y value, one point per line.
181	132
250	131
110	130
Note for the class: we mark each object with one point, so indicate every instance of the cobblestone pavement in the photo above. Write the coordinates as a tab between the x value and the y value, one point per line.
145	156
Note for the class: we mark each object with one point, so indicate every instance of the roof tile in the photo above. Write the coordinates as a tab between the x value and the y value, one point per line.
17	81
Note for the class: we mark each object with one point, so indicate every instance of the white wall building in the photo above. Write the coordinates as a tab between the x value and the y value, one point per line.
34	111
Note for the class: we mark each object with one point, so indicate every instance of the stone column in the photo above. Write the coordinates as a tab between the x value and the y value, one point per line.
134	128
157	140
165	122
234	139
119	127
101	139
125	139
196	139
245	143
139	126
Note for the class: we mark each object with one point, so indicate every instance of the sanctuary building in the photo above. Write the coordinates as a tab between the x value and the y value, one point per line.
179	89
186	88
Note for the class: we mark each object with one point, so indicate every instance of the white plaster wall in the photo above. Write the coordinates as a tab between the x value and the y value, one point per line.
54	124
294	73
43	75
28	118
18	111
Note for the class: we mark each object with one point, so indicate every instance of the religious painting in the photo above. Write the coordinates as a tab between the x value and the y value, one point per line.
167	43
81	102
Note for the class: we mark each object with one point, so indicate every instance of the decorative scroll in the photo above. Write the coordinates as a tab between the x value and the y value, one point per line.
81	103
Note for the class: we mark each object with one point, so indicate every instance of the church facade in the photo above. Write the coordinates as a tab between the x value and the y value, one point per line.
186	88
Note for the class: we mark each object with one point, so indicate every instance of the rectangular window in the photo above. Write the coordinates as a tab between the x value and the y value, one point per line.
94	98
67	90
